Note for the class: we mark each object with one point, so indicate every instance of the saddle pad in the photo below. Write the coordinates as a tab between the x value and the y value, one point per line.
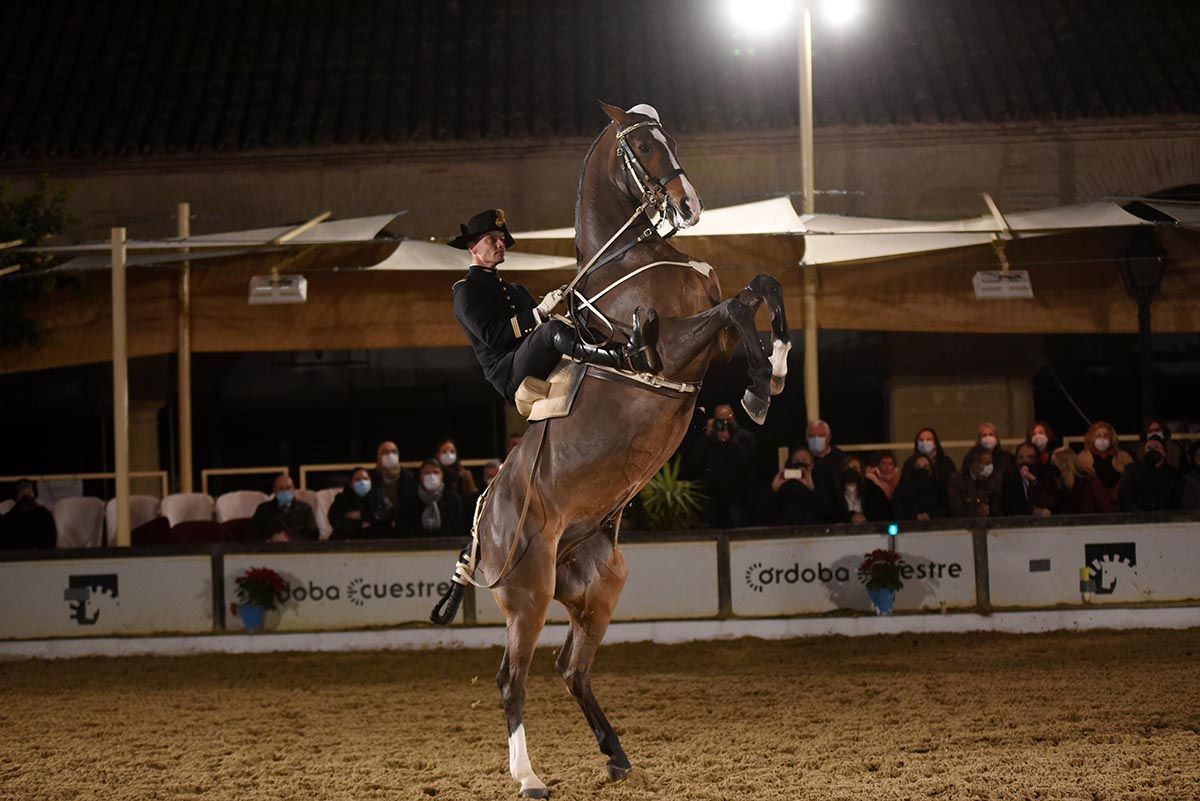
544	400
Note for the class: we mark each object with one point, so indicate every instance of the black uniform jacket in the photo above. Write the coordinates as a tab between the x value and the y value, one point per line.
496	315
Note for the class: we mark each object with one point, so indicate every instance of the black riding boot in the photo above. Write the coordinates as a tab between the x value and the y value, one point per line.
639	356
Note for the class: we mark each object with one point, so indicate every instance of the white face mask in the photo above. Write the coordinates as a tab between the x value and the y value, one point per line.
431	482
1102	443
925	446
448	458
389	460
988	442
1040	441
985	471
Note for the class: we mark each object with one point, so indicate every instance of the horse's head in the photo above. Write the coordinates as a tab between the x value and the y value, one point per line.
646	158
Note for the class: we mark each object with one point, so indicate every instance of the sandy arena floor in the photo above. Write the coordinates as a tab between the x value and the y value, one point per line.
1068	716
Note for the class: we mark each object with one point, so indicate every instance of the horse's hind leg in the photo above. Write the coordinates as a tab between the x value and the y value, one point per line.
590	615
757	399
768	288
525	600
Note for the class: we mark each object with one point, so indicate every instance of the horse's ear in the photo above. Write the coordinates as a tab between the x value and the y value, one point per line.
615	113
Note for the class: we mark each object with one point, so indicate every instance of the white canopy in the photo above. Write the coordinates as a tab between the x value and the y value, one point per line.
414	254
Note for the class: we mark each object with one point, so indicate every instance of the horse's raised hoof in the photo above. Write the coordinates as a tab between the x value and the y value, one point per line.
617	772
756	407
536	792
777	383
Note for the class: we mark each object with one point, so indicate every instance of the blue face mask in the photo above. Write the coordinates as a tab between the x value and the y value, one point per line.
361	488
816	444
285	497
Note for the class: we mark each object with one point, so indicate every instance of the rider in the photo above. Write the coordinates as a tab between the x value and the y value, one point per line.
513	336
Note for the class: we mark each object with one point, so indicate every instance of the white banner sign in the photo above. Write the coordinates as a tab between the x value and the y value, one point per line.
347	590
666	581
1128	564
93	597
811	575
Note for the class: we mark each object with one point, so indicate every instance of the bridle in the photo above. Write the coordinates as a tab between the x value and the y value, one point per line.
653	190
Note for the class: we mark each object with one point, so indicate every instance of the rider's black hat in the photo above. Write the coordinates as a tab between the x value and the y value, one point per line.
482	223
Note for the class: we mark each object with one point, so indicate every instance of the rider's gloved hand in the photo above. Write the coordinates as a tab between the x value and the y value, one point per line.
552	299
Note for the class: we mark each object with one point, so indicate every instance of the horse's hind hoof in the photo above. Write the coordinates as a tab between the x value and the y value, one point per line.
756	407
616	773
536	792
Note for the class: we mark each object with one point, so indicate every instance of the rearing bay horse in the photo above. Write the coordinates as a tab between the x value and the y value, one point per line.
548	529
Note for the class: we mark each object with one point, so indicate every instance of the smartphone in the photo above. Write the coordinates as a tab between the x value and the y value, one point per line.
796	474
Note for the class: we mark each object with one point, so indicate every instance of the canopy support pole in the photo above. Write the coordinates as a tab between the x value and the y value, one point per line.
184	359
812	394
120	387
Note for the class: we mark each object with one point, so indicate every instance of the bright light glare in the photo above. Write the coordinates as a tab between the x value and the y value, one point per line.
757	17
841	12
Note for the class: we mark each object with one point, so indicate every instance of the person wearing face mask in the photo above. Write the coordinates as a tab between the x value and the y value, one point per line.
987	438
1080	494
1030	488
1175	455
798	498
1104	460
458	478
1042	437
827	458
432	509
353	512
918	496
850	504
1150	484
28	524
977	493
390	482
282	518
928	444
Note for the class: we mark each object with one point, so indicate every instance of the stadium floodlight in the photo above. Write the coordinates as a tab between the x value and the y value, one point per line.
758	17
841	12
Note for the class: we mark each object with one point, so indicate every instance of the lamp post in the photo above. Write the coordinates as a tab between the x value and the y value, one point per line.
1142	267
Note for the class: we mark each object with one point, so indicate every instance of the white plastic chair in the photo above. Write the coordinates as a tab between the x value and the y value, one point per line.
238	505
324	502
142	509
80	522
6	506
186	507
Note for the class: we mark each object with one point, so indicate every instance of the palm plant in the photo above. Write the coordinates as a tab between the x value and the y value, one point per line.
670	502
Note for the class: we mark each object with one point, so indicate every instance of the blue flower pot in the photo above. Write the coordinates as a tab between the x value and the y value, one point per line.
883	600
253	616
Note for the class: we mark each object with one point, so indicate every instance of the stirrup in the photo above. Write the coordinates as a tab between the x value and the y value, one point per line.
642	351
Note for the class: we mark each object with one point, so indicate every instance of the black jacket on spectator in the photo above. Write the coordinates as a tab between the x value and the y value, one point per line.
797	505
966	493
918	495
297	519
723	471
450	507
827	470
1145	488
28	525
385	494
367	526
1019	499
943	470
876	505
1191	491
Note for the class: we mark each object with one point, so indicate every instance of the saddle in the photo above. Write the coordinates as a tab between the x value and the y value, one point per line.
539	399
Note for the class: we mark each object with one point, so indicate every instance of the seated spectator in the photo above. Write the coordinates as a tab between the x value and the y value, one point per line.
827	459
1030	488
432	509
28	524
1079	493
1176	457
797	496
1042	437
458	478
882	478
390	480
513	441
1104	460
1150	484
928	444
1191	484
987	438
283	518
353	514
848	498
721	460
977	492
918	496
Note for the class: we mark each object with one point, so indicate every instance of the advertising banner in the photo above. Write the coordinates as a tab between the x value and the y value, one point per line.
347	590
813	575
1126	564
105	597
667	581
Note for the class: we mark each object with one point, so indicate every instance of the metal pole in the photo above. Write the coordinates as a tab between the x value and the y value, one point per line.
120	387
1145	357
812	386
184	359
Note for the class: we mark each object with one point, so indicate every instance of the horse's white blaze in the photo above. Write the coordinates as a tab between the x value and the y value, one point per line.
779	354
518	761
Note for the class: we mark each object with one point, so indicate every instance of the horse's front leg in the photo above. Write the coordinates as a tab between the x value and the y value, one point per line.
768	288
757	399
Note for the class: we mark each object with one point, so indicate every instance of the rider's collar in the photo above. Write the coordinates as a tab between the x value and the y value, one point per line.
488	270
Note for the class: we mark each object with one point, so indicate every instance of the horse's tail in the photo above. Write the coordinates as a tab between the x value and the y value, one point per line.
446	610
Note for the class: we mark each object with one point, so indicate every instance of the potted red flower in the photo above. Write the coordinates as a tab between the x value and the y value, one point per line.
259	589
880	571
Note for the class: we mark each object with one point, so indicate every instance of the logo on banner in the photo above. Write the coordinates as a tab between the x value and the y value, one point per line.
84	590
760	576
360	591
1113	564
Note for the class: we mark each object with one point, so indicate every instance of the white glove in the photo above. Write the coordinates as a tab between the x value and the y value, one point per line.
552	299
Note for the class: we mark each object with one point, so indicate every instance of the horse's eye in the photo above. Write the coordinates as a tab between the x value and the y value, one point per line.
645	149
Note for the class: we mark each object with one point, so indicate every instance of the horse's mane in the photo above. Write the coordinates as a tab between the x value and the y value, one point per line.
579	193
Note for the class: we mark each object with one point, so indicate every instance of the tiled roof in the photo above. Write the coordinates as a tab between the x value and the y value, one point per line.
123	78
